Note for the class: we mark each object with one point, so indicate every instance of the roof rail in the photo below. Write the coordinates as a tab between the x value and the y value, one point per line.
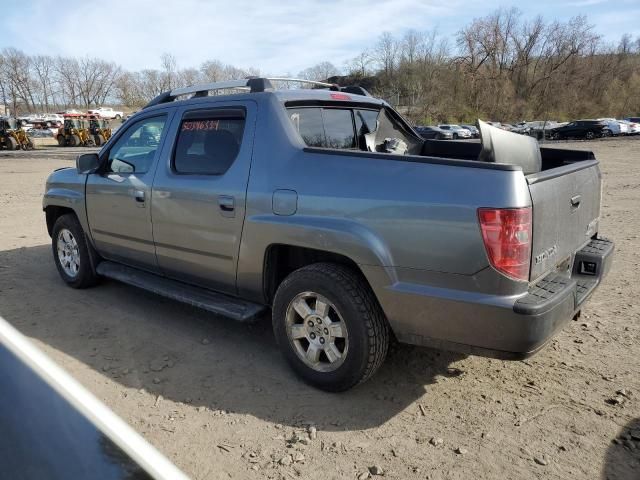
251	84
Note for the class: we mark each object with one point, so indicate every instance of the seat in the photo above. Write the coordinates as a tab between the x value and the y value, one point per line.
500	146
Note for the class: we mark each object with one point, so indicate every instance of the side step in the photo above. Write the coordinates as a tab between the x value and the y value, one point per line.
218	303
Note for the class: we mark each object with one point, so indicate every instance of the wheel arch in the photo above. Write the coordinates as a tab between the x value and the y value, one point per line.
282	259
53	212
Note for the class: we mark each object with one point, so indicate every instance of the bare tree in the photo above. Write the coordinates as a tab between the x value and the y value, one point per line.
321	71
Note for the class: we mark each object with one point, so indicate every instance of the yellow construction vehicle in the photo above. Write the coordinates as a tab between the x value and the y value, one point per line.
100	129
12	136
74	132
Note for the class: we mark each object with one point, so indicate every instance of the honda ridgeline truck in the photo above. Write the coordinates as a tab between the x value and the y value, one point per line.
325	206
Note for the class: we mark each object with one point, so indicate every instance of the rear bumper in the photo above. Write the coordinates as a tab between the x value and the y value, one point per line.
511	327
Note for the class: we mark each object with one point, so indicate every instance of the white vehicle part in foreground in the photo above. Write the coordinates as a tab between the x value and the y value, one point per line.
156	464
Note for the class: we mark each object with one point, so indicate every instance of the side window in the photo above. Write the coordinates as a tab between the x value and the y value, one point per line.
133	152
338	128
308	122
209	145
324	127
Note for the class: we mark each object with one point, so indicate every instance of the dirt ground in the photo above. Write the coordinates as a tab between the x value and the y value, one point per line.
216	397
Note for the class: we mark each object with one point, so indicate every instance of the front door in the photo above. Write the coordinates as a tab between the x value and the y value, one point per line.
199	194
119	197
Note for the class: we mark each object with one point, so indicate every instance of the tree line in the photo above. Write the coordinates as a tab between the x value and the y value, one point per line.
499	67
505	67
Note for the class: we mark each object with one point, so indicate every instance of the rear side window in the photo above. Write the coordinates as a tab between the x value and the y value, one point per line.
308	122
338	128
325	127
208	144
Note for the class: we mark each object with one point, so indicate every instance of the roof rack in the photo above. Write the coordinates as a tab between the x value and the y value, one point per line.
251	84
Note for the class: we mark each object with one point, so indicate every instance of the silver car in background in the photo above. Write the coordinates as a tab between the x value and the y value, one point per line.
475	133
456	130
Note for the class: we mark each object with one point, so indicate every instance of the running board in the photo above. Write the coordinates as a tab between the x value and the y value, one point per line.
219	303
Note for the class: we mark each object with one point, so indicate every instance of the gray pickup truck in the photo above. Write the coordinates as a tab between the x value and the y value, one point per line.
325	206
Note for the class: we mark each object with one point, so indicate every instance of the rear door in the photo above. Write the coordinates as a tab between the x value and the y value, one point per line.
566	210
199	194
119	198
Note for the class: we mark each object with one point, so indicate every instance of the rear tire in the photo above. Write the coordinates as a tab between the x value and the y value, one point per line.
62	142
347	327
455	136
590	135
74	141
99	140
74	256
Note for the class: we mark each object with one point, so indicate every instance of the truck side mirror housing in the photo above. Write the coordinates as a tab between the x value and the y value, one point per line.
87	163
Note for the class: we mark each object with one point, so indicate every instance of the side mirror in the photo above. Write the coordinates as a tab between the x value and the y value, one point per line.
87	163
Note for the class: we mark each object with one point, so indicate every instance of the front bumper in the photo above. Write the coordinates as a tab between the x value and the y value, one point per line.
496	326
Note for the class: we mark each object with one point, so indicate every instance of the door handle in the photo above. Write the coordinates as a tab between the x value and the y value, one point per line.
227	205
139	196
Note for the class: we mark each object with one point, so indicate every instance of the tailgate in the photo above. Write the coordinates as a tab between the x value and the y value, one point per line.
566	210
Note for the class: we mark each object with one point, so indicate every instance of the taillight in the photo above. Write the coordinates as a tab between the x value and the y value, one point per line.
507	238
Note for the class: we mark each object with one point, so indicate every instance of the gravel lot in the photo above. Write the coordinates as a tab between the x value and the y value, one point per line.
216	397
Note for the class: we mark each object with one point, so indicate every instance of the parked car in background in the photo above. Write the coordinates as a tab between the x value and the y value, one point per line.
129	115
522	128
456	130
53	119
614	127
587	129
633	119
538	128
633	128
106	112
437	133
70	111
475	133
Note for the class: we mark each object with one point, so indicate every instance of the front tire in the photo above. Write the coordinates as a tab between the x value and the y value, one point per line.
11	143
329	326
73	255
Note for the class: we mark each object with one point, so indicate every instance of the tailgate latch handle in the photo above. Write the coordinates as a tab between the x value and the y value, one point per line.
575	201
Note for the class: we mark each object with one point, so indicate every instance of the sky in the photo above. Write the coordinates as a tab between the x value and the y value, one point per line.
275	37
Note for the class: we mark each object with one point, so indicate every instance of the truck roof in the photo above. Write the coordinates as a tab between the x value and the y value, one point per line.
250	87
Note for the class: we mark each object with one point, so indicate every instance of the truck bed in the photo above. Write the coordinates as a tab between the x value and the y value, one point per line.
470	150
